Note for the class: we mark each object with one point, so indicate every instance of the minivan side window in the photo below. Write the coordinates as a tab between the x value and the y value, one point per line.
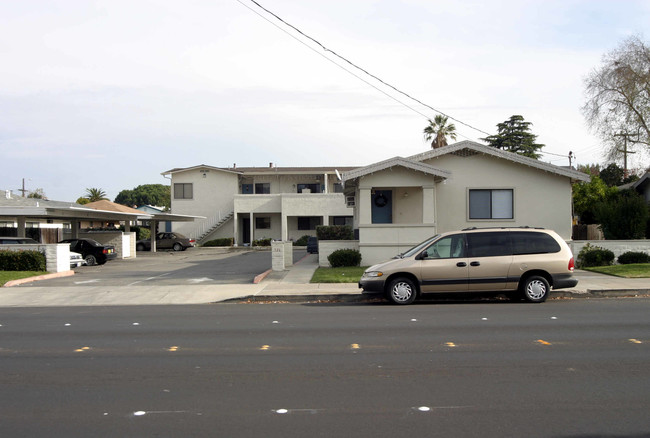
533	243
447	248
489	244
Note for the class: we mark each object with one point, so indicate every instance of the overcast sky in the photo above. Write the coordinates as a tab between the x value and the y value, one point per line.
109	93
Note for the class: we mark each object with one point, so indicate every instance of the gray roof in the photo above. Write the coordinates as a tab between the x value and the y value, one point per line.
473	147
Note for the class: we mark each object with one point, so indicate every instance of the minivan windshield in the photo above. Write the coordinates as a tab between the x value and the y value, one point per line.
417	248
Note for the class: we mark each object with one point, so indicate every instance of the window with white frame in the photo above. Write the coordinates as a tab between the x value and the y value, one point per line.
491	204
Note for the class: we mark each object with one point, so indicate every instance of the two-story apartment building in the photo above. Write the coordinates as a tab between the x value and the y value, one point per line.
251	203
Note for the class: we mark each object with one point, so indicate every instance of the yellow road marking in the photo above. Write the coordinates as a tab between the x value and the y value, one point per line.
635	341
450	344
265	347
174	348
354	346
79	350
543	342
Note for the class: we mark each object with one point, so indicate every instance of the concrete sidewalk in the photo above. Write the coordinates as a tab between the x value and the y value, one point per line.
290	284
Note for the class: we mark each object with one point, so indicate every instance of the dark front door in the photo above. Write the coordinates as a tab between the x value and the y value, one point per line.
246	230
382	207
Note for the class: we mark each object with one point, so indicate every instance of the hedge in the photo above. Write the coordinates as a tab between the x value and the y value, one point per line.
334	232
633	257
22	261
344	257
594	256
224	241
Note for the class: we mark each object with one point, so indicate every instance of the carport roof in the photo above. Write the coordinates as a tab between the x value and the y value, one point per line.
12	207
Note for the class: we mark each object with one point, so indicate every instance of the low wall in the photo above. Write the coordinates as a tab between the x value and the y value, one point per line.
327	247
124	243
57	255
618	247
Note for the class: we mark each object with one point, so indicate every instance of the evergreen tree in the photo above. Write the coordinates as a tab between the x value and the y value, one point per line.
514	136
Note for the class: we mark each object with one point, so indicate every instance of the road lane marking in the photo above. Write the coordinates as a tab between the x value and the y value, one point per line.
543	342
354	346
450	344
635	341
79	350
173	348
265	347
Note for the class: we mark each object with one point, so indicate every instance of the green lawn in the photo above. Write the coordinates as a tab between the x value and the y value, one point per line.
338	275
6	276
634	270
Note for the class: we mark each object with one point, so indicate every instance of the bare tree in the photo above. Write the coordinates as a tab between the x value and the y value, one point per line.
617	94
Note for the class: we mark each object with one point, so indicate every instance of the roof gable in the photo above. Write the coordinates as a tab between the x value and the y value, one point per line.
468	148
392	162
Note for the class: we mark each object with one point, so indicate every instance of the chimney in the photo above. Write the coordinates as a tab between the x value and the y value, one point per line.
8	194
234	165
271	165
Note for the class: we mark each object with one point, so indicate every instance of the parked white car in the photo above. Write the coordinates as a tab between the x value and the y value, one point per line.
76	260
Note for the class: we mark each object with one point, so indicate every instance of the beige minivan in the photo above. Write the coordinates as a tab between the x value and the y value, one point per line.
523	262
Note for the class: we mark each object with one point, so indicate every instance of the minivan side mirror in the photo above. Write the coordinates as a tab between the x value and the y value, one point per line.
423	255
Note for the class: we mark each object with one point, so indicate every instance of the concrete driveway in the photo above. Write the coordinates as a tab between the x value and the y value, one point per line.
194	266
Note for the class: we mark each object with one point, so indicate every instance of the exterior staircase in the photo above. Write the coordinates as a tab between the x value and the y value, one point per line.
212	224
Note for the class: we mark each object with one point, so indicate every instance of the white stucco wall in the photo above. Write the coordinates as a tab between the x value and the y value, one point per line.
541	199
212	196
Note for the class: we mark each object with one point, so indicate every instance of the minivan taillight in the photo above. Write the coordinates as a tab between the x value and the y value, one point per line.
572	264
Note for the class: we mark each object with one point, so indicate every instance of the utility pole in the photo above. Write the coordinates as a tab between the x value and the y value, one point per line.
23	190
625	151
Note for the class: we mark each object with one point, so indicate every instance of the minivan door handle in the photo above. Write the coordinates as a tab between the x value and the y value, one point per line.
461	264
475	264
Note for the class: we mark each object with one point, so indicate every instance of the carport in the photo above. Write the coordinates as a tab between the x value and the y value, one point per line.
23	210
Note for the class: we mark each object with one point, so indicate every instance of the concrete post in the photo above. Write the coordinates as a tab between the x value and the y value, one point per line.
277	256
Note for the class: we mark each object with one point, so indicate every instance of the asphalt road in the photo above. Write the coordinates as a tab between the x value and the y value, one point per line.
192	266
574	368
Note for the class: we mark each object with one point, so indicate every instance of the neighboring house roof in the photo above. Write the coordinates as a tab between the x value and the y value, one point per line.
392	162
467	148
107	205
639	184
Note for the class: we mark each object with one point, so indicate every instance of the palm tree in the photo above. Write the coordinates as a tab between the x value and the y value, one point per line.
438	131
94	195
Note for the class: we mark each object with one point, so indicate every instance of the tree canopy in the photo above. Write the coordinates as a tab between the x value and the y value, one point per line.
95	194
438	130
147	194
514	136
617	106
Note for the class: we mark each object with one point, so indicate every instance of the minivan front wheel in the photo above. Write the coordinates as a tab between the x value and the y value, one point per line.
536	289
402	291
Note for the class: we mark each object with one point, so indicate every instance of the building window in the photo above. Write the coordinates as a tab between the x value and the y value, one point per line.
262	223
183	191
338	188
491	204
247	189
263	188
309	188
309	222
342	220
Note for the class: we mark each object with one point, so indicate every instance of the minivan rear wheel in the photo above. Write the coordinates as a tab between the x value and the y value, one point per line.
402	291
535	289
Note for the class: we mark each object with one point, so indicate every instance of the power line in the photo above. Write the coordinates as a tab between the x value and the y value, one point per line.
357	67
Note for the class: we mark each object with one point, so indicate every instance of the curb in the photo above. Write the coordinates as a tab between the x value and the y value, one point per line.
39	277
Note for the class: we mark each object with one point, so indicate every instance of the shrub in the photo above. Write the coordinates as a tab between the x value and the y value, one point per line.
262	242
22	261
302	241
344	257
623	215
224	241
594	256
633	257
334	232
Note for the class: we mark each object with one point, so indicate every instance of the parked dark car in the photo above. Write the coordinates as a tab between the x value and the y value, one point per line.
175	241
312	245
93	252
